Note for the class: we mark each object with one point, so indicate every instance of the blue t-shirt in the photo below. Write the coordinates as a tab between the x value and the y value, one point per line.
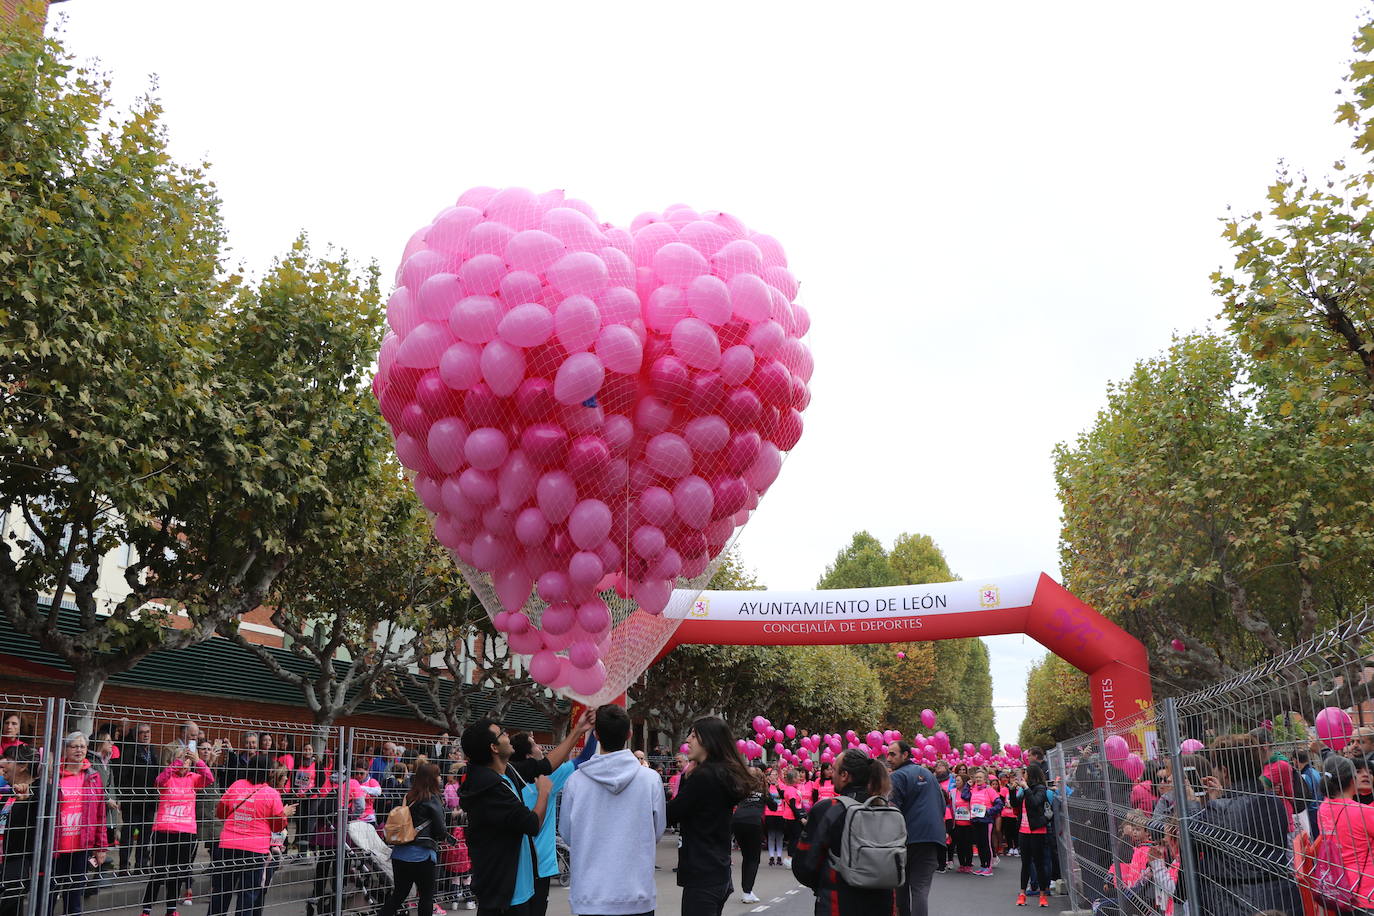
524	873
545	842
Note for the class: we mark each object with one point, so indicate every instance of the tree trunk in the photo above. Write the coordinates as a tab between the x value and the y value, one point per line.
86	687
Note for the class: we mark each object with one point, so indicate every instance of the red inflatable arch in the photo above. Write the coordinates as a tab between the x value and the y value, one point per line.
1115	662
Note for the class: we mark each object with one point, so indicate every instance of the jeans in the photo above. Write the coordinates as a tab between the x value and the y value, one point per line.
705	901
914	894
419	875
69	881
236	871
750	840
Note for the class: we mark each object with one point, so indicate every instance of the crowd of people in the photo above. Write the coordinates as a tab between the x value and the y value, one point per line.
479	822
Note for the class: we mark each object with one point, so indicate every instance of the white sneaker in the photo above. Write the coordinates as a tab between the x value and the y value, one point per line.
472	904
750	897
787	862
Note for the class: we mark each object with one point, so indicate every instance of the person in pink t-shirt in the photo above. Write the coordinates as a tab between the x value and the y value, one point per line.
1351	824
363	787
174	828
252	811
81	833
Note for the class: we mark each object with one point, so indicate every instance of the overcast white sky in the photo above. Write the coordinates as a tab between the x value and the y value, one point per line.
993	208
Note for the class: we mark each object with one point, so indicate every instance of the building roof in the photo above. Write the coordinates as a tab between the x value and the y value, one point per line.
221	667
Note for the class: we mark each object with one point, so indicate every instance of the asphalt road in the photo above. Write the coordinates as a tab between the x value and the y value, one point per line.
780	894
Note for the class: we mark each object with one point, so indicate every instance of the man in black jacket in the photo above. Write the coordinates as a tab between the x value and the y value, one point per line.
136	775
498	822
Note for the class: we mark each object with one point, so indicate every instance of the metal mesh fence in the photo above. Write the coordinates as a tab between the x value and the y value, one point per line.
1251	796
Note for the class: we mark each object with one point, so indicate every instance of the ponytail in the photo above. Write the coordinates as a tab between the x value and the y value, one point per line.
865	771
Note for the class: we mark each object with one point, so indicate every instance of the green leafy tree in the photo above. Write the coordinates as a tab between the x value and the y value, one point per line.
1057	703
361	613
145	400
947	676
1204	505
1300	294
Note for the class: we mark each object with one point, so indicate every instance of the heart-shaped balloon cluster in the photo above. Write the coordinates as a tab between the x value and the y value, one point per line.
590	411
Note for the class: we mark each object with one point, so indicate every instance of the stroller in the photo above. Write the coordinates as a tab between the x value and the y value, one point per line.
369	861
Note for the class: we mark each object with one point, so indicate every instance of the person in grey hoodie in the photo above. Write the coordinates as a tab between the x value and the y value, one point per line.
613	817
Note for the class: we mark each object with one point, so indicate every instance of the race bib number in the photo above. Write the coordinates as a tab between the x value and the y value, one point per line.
961	813
979	810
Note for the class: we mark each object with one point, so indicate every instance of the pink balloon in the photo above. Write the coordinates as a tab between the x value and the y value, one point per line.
1116	750
1191	746
587	681
527	325
544	666
1334	727
589	523
578	379
669	455
693	502
790	731
1133	767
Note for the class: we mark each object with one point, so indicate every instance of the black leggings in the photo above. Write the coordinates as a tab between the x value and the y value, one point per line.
1035	862
750	840
408	874
1011	831
969	837
173	854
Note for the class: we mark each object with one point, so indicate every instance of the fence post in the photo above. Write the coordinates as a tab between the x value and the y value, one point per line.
1063	836
1188	864
40	881
344	767
45	843
1113	846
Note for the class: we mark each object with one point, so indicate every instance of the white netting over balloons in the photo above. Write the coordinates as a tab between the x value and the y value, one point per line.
591	413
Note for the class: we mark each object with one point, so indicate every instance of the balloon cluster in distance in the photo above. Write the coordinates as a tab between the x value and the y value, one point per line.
589	410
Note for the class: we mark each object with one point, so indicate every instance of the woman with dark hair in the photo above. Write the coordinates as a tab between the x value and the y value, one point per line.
857	776
1034	837
1245	862
747	825
717	781
20	767
12	731
252	811
1351	823
413	863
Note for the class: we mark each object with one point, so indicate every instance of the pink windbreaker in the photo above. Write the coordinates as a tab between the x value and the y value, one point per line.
176	805
80	810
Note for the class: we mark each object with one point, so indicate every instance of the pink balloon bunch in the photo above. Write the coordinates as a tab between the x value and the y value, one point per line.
586	406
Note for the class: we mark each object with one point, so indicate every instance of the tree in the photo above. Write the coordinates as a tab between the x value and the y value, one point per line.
1057	703
145	400
1204	505
361	612
1299	296
947	676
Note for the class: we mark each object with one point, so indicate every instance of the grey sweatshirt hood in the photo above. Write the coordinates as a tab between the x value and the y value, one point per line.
613	771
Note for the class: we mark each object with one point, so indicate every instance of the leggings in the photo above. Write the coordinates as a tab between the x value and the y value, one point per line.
969	837
775	828
173	854
948	850
749	837
418	874
1035	862
1011	831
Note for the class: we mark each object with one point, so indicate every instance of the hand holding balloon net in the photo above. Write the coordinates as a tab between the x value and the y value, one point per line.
590	413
